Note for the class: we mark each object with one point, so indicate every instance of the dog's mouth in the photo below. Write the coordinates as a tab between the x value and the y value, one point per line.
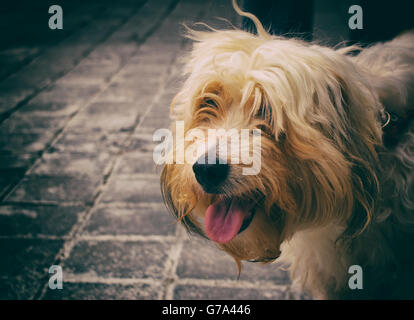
226	218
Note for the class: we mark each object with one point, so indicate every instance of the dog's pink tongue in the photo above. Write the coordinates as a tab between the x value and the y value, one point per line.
223	220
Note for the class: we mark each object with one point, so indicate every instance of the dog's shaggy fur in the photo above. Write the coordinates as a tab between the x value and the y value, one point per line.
329	194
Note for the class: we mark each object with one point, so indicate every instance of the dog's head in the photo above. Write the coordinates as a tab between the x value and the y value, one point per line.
318	122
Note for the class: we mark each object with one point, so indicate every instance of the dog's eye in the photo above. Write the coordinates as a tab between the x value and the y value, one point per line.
265	129
264	116
206	109
209	103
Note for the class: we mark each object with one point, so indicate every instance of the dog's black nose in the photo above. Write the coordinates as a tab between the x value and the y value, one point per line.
210	176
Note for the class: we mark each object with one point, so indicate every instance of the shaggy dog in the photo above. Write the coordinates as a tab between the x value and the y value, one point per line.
330	192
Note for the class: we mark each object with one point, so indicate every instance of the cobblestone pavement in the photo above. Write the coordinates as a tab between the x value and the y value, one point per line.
78	187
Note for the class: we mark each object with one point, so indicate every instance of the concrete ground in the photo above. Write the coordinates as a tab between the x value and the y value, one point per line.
78	187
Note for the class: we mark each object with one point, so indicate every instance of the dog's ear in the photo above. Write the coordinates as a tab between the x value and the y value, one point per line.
360	144
358	141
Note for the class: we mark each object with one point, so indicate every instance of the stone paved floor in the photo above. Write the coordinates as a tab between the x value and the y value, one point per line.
78	186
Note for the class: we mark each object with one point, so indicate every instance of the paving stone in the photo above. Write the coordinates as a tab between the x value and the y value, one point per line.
156	122
140	189
79	76
159	112
54	188
140	96
137	84
202	259
67	94
100	291
11	59
156	52
11	161
23	143
16	88
18	123
153	57
143	84
78	165
117	259
9	177
163	105
140	69
114	97
138	162
12	169
38	106
93	142
24	264
4	187
8	102
113	117
93	68
192	292
142	142
144	219
108	55
34	220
